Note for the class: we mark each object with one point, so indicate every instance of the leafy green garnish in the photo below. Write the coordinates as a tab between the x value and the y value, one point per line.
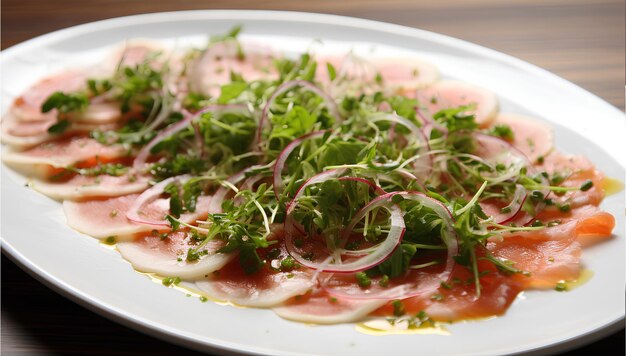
59	128
65	102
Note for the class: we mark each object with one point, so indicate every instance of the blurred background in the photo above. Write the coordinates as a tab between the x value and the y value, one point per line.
580	40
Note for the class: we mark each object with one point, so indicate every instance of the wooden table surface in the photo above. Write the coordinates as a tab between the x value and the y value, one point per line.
580	40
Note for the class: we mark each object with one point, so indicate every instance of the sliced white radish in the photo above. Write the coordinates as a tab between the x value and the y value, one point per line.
42	160
137	213
534	138
213	68
98	114
397	75
406	73
264	289
21	135
321	308
82	187
452	94
28	106
102	218
267	287
167	257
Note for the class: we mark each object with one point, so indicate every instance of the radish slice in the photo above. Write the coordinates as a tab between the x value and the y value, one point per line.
322	308
410	287
282	159
268	287
383	250
89	187
103	218
534	138
142	156
167	257
273	289
330	102
150	195
46	160
451	94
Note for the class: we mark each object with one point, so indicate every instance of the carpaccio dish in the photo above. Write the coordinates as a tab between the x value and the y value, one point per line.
330	189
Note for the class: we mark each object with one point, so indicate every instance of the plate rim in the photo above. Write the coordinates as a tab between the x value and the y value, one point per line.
142	325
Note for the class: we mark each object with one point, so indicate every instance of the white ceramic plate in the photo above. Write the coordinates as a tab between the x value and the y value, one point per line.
34	233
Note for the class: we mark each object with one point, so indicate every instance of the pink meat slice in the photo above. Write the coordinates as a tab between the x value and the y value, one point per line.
21	135
89	187
550	255
167	257
576	170
406	73
398	74
98	114
592	224
28	106
451	94
42	160
534	138
268	287
102	218
319	307
213	69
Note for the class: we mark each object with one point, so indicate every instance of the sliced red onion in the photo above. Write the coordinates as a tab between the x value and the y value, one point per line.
143	155
523	218
147	197
497	150
282	159
372	185
215	205
423	166
513	208
428	124
249	183
392	132
318	178
330	102
397	119
416	286
383	250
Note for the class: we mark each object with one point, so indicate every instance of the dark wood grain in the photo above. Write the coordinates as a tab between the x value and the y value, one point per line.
580	40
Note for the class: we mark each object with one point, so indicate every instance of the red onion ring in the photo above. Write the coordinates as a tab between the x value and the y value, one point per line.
512	209
521	217
423	165
428	124
375	187
282	159
148	196
384	250
405	290
142	156
215	205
